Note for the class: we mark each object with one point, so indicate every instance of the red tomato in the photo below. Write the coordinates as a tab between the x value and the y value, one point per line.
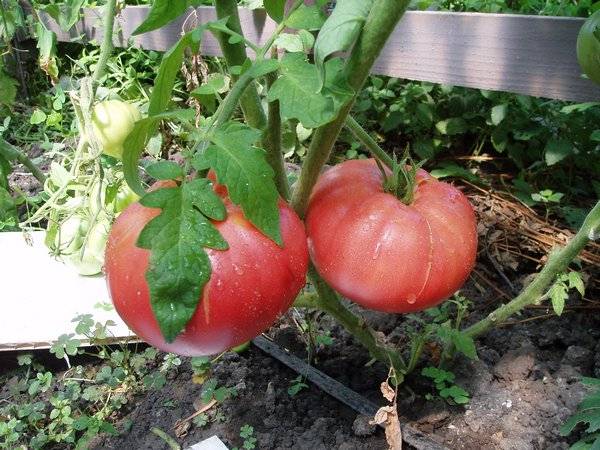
381	253
251	285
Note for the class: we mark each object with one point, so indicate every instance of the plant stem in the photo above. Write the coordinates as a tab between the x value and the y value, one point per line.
380	23
329	302
366	139
558	262
235	55
272	136
12	153
106	47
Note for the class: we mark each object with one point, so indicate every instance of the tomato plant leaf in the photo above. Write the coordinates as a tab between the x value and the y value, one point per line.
159	100
558	294
297	90
340	30
588	411
161	13
575	282
306	18
245	171
464	344
179	267
275	9
165	170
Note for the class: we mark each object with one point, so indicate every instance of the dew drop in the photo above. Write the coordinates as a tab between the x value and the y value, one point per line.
411	299
238	269
377	251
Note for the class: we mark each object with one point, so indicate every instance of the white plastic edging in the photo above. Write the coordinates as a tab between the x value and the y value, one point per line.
40	296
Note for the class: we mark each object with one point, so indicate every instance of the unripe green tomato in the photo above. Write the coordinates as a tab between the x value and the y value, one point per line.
588	47
125	197
112	121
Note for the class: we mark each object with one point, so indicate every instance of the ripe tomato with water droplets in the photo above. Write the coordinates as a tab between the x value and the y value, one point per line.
251	284
383	254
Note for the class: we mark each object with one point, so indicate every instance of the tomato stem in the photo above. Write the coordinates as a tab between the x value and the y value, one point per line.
365	138
402	181
107	46
558	262
235	55
329	301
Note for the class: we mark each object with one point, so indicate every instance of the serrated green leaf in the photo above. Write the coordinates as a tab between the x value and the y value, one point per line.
306	18
179	267
161	13
159	100
558	295
297	90
340	30
275	9
464	344
575	282
246	173
456	393
165	170
556	150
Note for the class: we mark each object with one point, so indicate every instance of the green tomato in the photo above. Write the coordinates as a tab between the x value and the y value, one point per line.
125	197
70	240
112	121
588	47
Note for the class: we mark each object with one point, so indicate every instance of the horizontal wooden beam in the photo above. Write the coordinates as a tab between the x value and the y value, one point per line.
531	55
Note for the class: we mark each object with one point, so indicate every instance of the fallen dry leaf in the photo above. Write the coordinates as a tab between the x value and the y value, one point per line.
387	391
388	417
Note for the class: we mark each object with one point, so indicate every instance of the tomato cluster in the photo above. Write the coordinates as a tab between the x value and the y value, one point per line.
367	244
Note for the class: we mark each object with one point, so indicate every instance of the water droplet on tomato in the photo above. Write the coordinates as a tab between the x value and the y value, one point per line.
377	251
237	269
220	284
411	300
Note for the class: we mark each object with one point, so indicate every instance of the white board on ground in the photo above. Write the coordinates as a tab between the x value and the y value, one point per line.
212	443
40	296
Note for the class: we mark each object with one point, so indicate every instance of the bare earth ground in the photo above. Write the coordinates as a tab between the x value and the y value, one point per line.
523	387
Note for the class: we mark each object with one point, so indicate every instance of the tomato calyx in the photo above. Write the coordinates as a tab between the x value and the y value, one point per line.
402	180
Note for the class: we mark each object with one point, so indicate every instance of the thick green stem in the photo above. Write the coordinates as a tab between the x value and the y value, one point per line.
380	23
106	47
329	302
558	262
12	153
272	143
235	55
366	139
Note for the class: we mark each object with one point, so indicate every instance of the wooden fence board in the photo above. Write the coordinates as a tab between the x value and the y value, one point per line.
531	55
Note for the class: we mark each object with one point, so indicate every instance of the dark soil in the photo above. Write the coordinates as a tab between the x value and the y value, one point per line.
523	387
